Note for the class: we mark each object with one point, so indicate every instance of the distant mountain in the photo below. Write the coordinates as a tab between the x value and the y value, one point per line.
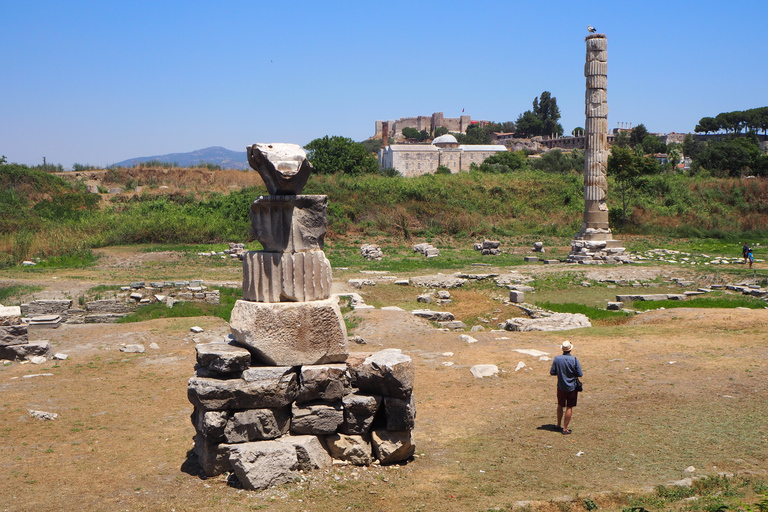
226	158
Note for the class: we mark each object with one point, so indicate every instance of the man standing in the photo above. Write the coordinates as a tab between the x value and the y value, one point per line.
745	252
567	369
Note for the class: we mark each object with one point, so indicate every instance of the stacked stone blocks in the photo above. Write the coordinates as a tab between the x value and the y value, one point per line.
284	394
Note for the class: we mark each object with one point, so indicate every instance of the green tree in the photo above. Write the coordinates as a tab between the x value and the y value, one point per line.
652	144
423	135
475	135
578	131
637	135
503	162
440	130
410	133
330	155
542	119
707	125
628	170
621	139
733	156
441	169
556	161
692	147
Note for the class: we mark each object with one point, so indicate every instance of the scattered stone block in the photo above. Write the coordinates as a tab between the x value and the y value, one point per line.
402	282
551	262
42	415
329	382
388	372
435	316
371	252
257	425
223	357
554	322
401	413
359	412
438	281
26	350
516	296
263	464
10	315
353	449
196	329
454	325
13	335
133	349
310	452
425	299
530	259
480	371
259	388
614	306
391	447
316	418
467	338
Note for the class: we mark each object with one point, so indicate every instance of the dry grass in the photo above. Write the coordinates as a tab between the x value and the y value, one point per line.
668	390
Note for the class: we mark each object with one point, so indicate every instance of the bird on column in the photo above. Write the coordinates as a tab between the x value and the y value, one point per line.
591	29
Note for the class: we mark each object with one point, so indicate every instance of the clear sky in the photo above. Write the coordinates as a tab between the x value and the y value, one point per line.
97	82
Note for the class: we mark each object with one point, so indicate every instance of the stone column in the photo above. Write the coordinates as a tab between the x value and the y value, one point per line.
594	242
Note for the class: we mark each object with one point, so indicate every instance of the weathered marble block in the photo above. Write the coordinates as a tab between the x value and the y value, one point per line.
223	357
283	167
291	333
259	388
263	464
26	350
286	277
388	372
289	223
353	449
213	457
401	413
309	451
391	447
327	382
257	425
210	424
13	335
316	418
10	315
359	413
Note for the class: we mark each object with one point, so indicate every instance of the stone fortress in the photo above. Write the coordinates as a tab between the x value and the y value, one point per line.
429	123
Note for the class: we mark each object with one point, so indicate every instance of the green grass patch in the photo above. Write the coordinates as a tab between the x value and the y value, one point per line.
195	248
708	494
403	259
223	310
724	301
592	313
78	259
16	292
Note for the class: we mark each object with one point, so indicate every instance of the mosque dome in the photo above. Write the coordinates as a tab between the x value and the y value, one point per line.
445	139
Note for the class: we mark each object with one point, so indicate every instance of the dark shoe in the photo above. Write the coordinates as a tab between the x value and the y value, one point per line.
566	431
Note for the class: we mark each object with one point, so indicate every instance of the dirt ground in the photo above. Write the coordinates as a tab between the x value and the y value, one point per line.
672	389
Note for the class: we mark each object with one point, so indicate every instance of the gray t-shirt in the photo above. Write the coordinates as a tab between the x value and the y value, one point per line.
567	368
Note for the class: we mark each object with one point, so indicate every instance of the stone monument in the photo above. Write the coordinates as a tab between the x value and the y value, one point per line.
594	242
282	393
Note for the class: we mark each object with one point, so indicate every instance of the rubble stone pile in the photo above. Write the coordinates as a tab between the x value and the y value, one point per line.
14	337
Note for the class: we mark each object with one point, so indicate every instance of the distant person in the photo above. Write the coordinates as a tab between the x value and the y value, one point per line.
750	257
567	368
745	252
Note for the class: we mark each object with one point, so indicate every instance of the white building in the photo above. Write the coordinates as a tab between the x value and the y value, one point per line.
417	159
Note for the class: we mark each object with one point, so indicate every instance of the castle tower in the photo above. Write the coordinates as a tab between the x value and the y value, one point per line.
594	242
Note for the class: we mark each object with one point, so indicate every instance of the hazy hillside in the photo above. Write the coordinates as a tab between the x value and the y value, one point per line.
226	158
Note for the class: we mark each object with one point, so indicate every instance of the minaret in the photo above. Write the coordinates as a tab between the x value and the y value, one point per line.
594	242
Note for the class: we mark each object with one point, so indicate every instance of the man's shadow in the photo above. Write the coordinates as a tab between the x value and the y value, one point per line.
551	428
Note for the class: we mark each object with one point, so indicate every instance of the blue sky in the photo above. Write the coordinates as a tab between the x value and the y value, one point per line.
102	81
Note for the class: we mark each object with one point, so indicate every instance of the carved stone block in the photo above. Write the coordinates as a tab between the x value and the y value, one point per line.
263	387
286	277
283	167
289	223
291	333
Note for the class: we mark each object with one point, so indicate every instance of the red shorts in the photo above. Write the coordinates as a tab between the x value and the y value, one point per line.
567	398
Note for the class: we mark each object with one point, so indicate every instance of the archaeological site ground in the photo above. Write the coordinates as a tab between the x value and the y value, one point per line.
666	389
